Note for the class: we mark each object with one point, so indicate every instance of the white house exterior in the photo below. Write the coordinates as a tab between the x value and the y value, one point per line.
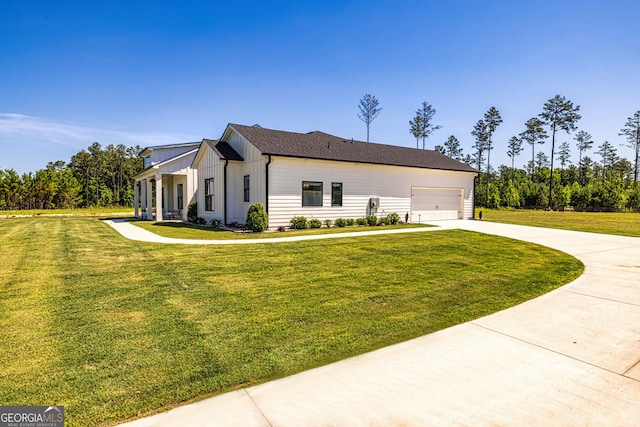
322	176
168	175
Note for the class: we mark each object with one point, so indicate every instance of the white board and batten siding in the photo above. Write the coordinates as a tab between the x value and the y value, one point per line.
211	166
393	185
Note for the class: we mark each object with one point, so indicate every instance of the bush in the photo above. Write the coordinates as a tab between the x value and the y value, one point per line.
350	221
215	223
393	218
282	228
327	223
361	221
192	212
383	221
372	220
299	223
201	221
340	222
315	223
257	218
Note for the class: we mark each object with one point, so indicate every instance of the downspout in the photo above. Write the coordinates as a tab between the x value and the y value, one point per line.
266	181
473	213
226	162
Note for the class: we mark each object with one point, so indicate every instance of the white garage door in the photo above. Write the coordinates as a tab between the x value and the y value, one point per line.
428	204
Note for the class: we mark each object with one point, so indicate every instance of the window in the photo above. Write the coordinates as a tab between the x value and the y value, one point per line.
147	161
246	188
208	194
311	193
336	194
180	197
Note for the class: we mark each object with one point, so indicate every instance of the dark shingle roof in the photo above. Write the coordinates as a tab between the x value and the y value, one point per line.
322	146
223	150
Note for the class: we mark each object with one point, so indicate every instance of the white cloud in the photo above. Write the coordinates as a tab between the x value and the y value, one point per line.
23	129
28	143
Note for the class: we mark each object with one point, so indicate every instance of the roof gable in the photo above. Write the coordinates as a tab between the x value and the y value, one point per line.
323	146
222	149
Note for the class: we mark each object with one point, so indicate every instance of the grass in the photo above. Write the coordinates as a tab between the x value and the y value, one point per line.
623	224
183	230
93	211
113	329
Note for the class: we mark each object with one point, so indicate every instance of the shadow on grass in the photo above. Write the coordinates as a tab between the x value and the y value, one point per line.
180	225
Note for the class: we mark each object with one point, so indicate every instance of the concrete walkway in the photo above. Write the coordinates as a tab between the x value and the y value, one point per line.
568	358
133	232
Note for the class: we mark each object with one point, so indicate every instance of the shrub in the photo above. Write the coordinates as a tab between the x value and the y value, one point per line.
192	212
215	223
361	221
299	223
315	223
393	218
383	221
372	220
350	221
327	223
340	222
201	221
282	228
257	218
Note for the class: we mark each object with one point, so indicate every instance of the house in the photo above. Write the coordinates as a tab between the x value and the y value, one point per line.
322	176
167	184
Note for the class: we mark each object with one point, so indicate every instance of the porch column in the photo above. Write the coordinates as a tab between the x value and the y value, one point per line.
149	199
158	197
136	197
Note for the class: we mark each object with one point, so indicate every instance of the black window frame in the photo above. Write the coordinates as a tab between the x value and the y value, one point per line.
180	191
246	192
209	193
334	186
312	193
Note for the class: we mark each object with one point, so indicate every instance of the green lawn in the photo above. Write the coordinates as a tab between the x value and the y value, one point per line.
113	329
183	230
624	224
95	211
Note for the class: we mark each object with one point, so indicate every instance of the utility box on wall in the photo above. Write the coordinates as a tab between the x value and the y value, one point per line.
372	207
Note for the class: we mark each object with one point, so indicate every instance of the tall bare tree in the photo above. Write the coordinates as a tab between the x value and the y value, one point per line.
369	107
533	134
492	118
480	133
584	143
415	128
631	130
559	114
426	113
564	154
514	149
452	148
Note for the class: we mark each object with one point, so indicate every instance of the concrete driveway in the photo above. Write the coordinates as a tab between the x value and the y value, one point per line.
568	358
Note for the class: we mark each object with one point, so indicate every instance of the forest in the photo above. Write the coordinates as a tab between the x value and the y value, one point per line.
95	176
601	180
607	182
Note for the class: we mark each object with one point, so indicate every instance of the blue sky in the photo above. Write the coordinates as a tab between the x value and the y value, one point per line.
154	72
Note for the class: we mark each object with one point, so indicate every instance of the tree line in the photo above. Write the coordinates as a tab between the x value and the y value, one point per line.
609	182
95	176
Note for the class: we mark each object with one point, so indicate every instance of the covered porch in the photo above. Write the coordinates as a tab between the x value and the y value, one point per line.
164	191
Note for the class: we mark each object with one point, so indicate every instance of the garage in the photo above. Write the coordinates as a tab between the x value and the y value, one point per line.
429	204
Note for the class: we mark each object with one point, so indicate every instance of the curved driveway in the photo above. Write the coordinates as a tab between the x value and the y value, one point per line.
568	358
